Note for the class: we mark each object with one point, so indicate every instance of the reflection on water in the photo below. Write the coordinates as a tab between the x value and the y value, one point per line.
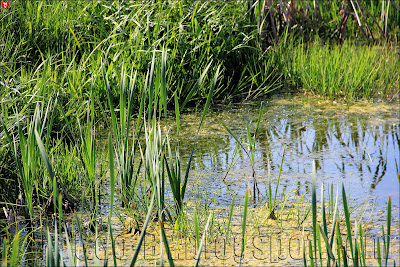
356	145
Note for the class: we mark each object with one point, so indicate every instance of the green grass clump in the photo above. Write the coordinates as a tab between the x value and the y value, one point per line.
345	71
340	253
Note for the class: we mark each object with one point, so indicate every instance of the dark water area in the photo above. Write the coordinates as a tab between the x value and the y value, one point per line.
357	145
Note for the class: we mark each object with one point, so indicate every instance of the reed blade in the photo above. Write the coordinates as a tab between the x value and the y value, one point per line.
142	234
166	245
328	246
388	222
348	224
15	251
196	85
196	228
202	241
244	222
228	228
210	95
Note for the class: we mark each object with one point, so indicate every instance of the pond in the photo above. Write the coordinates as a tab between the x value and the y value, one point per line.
357	145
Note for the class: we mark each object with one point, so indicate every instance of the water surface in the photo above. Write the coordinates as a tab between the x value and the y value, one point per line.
356	145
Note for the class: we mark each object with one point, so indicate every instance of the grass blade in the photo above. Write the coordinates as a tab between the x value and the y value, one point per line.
202	241
166	246
279	178
229	222
362	245
388	221
196	229
314	211
177	113
328	247
348	224
379	252
246	204
15	251
44	155
210	95
142	234
196	85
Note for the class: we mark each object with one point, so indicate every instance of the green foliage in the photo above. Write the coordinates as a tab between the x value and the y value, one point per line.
63	75
354	248
347	71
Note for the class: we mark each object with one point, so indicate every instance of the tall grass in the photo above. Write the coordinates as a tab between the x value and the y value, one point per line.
125	153
338	254
347	72
64	74
152	165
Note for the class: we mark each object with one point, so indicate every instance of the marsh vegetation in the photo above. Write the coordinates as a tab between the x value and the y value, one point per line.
180	125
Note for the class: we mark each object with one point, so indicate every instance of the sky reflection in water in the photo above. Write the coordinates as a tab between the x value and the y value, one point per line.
356	145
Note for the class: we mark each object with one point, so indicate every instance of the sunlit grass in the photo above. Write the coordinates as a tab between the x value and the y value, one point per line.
348	72
67	70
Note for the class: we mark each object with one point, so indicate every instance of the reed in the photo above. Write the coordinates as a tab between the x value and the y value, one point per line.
348	71
64	74
244	221
15	251
228	228
87	156
125	153
355	251
200	248
178	187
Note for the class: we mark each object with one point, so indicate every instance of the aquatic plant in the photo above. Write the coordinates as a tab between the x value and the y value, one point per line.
63	75
348	72
339	254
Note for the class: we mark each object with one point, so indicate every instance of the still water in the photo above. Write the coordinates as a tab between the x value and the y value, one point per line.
357	145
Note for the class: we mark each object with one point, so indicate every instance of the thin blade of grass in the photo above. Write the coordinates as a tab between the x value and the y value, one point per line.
340	245
202	241
229	221
142	234
348	223
110	101
246	204
44	155
15	251
328	247
234	136
279	178
379	252
334	217
196	229
166	246
82	240
314	210
163	80
362	245
388	221
250	145
310	253
177	113
210	95
304	250
196	86
259	119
